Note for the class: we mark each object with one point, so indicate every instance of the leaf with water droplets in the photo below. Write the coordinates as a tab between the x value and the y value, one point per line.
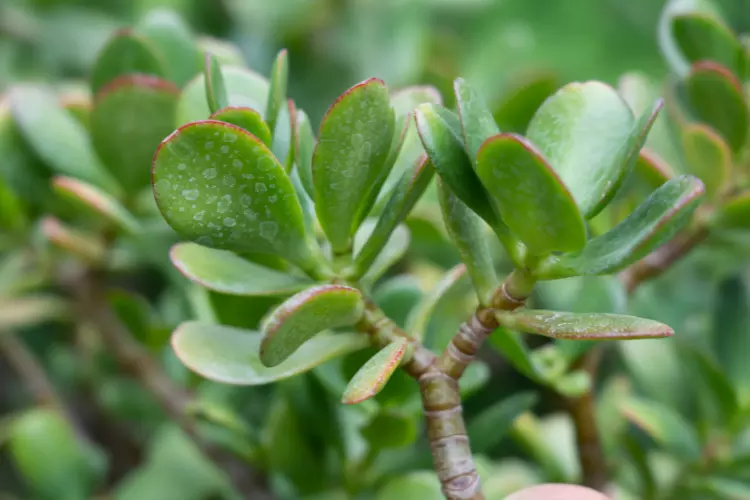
226	272
582	326
245	118
220	186
306	314
126	53
374	374
94	200
707	156
216	91
349	162
131	116
230	355
277	91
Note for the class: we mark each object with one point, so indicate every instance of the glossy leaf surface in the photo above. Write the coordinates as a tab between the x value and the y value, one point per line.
245	118
374	374
125	54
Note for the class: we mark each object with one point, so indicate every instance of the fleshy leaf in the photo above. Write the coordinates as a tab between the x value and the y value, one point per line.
245	118
57	137
83	246
174	43
216	91
519	104
583	131
702	37
403	198
126	53
230	355
470	237
734	213
477	123
374	374
226	272
558	492
665	426
31	310
653	223
393	250
390	429
97	201
419	317
244	87
707	157
282	144
304	315
349	159
219	185
534	202
489	427
131	116
303	151
513	348
716	98
277	90
651	169
582	326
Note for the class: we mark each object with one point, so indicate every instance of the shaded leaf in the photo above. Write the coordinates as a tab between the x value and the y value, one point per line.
216	91
304	315
84	246
707	157
277	90
30	310
374	374
714	388
517	107
392	252
226	272
731	322
397	296
95	200
126	53
245	118
476	375
282	144
173	41
304	147
512	347
230	355
703	37
665	426
419	318
390	429
735	212
489	427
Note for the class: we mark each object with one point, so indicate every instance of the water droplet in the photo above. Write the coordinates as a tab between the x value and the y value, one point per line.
199	215
236	163
190	194
209	173
230	137
260	187
228	180
248	176
272	199
265	164
224	204
207	157
163	185
224	149
181	166
209	145
246	200
268	230
229	222
250	214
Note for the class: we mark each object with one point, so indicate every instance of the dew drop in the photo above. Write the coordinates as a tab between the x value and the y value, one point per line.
199	216
230	222
209	145
228	180
209	173
181	166
224	149
250	214
236	163
224	204
268	230
230	137
190	194
260	187
246	200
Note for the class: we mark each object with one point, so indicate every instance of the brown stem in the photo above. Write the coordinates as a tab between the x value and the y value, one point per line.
88	291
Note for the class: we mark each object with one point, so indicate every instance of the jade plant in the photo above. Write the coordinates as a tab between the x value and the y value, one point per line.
315	219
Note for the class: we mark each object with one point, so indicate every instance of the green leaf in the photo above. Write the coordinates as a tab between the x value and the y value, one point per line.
31	310
349	160
440	132
558	492
95	200
402	199
219	185
707	157
245	118
470	237
669	46
584	131
389	429
392	252
517	107
535	204
277	91
283	134
126	53
731	322
419	485
419	317
226	272
131	116
582	326
651	169
374	374
715	391
716	98
304	146
58	138
216	91
488	428
734	213
703	37
476	375
665	426
304	315
174	43
397	296
512	346
477	123
13	216
244	88
652	224
230	355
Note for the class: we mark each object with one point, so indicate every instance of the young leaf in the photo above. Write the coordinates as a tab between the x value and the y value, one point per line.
519	104
582	326
303	151
489	427
175	44
512	346
304	315
282	144
477	123
219	185
277	91
735	213
703	37
665	426
707	157
349	159
126	53
372	377
230	355
716	97
216	91
31	310
95	200
226	272
131	116
403	198
419	318
245	118
468	234
393	251
534	202
731	322
57	137
244	88
653	223
583	131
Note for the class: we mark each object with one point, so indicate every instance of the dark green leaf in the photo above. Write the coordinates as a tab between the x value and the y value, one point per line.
246	118
517	107
489	427
397	296
216	91
304	315
419	318
731	322
390	429
717	395
174	43
95	200
707	157
703	37
665	426
125	53
513	348
735	212
476	375
374	374
230	355
277	91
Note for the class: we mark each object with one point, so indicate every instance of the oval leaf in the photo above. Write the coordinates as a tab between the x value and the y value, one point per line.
126	53
277	90
419	317
374	374
97	201
245	118
230	355
489	427
534	202
582	326
477	123
219	185
707	157
304	315
735	213
216	91
665	426
520	103
703	37
226	272
174	43
131	116
349	159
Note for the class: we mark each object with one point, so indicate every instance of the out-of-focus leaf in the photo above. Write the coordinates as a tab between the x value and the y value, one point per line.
126	53
84	246
94	200
708	157
374	374
702	37
283	141
489	427
394	249
246	118
735	213
30	310
397	297
731	322
304	315
518	106
717	396
175	44
476	375
513	348
558	492
419	318
665	426
231	355
420	485
277	91
477	123
304	146
390	429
